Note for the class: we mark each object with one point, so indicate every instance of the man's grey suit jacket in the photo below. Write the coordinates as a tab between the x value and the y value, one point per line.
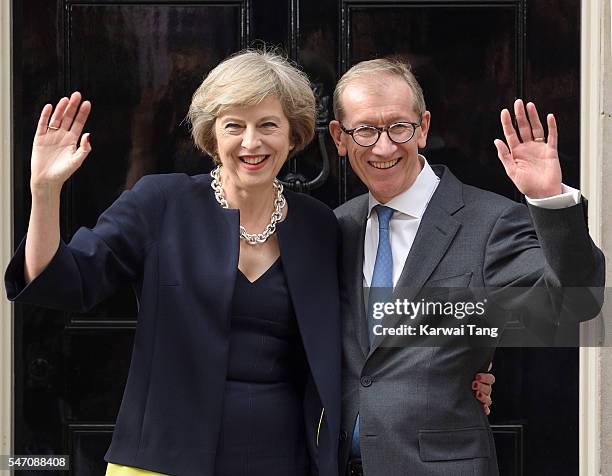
418	414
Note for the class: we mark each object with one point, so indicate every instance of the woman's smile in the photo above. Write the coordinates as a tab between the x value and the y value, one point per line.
253	162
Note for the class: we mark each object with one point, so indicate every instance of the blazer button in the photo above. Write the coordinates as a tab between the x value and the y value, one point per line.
343	436
366	381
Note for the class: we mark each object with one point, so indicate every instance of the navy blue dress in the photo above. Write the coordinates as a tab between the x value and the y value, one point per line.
262	431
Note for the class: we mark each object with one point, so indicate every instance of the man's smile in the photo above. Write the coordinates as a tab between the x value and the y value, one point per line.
384	165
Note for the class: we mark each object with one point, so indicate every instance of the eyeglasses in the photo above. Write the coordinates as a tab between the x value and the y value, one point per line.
367	136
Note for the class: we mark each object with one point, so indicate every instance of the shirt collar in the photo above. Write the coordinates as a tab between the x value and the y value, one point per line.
414	200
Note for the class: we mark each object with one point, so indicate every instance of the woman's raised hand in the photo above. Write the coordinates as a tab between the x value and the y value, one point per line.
55	154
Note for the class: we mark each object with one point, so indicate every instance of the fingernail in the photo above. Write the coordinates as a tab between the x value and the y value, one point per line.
478	377
474	386
479	394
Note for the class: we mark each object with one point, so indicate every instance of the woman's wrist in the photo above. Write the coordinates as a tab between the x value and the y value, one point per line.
45	190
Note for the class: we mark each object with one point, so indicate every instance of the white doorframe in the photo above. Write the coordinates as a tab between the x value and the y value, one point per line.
6	229
594	28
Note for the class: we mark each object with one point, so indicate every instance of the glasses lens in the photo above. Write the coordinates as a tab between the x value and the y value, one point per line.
401	132
365	135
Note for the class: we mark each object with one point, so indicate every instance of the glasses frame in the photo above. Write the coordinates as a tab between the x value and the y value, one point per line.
380	130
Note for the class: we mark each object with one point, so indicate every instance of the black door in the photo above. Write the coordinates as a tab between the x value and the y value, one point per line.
139	62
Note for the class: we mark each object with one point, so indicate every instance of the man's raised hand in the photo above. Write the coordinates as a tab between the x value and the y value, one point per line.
530	159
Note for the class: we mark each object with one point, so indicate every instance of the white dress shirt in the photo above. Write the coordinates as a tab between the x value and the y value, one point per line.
409	208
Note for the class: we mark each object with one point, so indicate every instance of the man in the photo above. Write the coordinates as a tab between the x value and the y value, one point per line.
409	410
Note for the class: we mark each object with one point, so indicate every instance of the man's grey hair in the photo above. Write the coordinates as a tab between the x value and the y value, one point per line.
373	69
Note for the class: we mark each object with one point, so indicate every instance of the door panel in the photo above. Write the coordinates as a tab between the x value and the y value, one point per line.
469	64
140	61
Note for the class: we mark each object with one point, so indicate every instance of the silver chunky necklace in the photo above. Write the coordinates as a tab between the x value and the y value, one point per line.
279	204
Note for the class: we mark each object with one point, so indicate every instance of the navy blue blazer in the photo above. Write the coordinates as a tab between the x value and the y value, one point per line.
170	239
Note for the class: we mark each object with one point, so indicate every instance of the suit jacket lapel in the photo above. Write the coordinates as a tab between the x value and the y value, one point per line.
218	230
353	272
435	234
311	305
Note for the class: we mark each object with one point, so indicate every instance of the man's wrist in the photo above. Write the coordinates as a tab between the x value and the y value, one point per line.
567	198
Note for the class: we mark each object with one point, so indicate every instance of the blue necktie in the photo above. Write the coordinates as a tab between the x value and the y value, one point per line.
381	286
382	279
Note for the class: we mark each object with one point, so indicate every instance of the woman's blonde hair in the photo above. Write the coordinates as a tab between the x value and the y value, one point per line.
245	79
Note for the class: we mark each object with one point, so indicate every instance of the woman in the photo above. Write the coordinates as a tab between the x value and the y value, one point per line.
237	346
236	361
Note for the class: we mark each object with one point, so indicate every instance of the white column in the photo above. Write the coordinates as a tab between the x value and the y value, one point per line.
6	229
606	226
596	184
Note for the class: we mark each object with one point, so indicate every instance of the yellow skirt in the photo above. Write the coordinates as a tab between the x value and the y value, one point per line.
118	470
